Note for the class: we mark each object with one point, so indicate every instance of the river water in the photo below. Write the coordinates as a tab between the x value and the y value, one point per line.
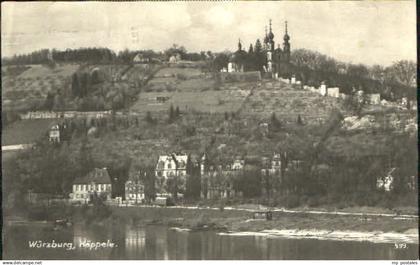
162	243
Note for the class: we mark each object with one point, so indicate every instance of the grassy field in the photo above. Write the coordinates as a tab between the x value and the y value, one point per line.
205	101
26	131
174	71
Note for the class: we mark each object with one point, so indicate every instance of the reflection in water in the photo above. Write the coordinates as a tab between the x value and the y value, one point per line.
159	242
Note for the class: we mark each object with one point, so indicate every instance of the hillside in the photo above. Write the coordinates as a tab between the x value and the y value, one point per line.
26	87
190	90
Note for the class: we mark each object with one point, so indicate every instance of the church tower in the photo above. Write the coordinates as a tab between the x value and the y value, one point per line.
270	50
265	40
286	44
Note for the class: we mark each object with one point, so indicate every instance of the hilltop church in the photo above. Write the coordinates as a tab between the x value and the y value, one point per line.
276	60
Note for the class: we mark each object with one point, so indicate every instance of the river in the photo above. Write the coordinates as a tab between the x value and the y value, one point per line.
162	243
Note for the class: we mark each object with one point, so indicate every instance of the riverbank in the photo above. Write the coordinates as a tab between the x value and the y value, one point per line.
311	224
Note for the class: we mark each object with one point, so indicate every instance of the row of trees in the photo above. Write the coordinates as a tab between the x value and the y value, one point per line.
394	81
101	56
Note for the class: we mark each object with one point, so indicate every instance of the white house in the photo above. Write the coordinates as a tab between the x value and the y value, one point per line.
134	190
171	165
140	58
97	182
168	167
238	164
54	134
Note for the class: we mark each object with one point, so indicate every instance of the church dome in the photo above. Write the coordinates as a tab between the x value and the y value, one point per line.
270	35
286	37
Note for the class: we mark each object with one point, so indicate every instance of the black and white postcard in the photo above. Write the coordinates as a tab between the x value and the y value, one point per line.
209	130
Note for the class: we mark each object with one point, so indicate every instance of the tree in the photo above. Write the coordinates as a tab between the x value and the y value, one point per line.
404	72
85	158
148	178
177	112
193	185
49	101
250	181
251	49
275	123
299	120
171	114
258	60
358	71
75	85
220	62
176	49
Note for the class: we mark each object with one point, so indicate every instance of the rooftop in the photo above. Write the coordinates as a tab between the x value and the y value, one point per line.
97	175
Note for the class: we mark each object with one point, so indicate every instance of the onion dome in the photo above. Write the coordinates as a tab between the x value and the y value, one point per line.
286	36
266	36
270	34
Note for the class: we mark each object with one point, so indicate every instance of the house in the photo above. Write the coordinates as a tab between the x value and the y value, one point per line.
238	164
175	58
140	58
95	183
217	180
170	166
54	134
134	189
385	183
272	172
272	166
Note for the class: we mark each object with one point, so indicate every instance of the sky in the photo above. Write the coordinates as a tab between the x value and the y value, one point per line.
369	32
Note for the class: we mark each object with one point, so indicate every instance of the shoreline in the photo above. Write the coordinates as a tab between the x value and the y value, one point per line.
338	235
